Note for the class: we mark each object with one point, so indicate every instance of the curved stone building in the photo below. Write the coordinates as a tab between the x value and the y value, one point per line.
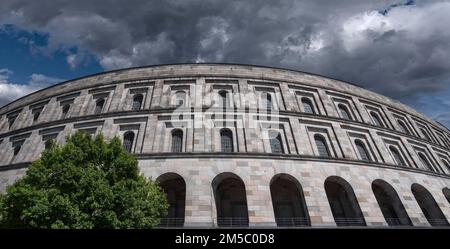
241	145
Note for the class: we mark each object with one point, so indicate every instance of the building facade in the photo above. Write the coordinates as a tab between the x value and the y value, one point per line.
241	145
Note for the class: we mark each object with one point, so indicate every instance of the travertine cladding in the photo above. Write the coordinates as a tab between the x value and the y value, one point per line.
201	158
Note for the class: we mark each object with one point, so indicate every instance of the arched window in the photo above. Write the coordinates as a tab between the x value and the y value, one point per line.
343	202
425	161
390	204
137	102
65	111
11	121
231	200
177	140
307	106
17	149
276	145
403	127
425	134
180	99
223	99
397	157
36	115
226	140
128	139
288	202
446	192
362	151
429	206
345	114
322	147
99	105
376	119
447	165
268	101
175	188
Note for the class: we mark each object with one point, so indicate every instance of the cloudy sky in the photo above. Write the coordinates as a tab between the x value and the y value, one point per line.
398	48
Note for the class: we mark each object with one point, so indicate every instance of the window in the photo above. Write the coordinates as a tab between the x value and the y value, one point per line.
362	150
226	140
446	164
223	99
137	102
321	146
403	127
268	101
36	115
17	149
128	139
276	145
425	134
177	140
180	99
397	157
65	111
344	112
99	105
425	161
307	106
376	119
11	120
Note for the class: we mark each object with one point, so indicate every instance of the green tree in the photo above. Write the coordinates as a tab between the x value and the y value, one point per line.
85	183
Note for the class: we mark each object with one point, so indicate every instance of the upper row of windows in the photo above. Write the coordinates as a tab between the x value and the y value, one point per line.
306	102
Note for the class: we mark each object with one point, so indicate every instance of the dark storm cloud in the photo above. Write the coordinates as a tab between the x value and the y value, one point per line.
386	46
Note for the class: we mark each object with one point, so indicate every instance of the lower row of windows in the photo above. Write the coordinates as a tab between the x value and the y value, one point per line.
276	145
289	204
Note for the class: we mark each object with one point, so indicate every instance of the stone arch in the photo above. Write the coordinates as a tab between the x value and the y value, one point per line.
390	204
343	202
175	188
288	201
446	192
231	200
428	205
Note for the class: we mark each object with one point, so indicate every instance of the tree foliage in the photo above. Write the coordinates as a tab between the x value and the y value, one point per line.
85	183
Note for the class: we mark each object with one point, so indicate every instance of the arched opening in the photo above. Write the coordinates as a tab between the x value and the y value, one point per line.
177	140
99	105
403	127
362	151
345	114
223	99
276	144
128	139
343	202
36	115
398	159
268	101
137	102
288	202
425	161
226	140
180	99
307	106
321	145
65	111
425	134
175	188
429	206
446	192
231	200
376	119
390	204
